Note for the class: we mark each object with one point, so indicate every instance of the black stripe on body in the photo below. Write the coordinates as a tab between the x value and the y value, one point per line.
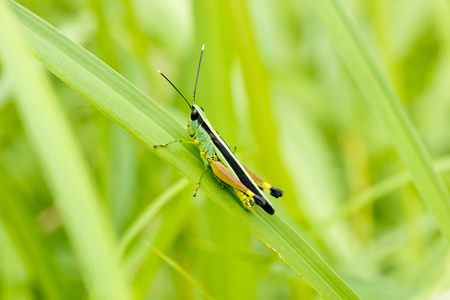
231	159
259	198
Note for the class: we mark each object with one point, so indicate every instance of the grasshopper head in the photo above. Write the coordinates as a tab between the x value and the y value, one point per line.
196	112
195	119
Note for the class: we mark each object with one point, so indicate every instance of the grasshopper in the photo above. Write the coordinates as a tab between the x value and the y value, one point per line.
217	154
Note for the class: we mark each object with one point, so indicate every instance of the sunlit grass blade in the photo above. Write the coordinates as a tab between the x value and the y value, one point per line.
366	72
129	107
68	179
5	89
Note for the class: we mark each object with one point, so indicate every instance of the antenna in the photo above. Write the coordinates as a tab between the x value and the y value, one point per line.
198	71
176	88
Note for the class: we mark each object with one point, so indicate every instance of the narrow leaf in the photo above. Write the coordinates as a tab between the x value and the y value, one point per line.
143	118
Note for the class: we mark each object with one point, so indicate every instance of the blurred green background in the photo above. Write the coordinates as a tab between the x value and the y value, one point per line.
346	190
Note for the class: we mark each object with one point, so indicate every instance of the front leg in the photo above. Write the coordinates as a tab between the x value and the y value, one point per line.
176	141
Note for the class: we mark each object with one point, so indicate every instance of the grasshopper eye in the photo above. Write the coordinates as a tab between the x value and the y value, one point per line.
194	114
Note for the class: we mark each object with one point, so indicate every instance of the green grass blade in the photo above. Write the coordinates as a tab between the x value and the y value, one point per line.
365	70
163	233
12	269
31	251
68	179
378	190
182	272
148	213
129	107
